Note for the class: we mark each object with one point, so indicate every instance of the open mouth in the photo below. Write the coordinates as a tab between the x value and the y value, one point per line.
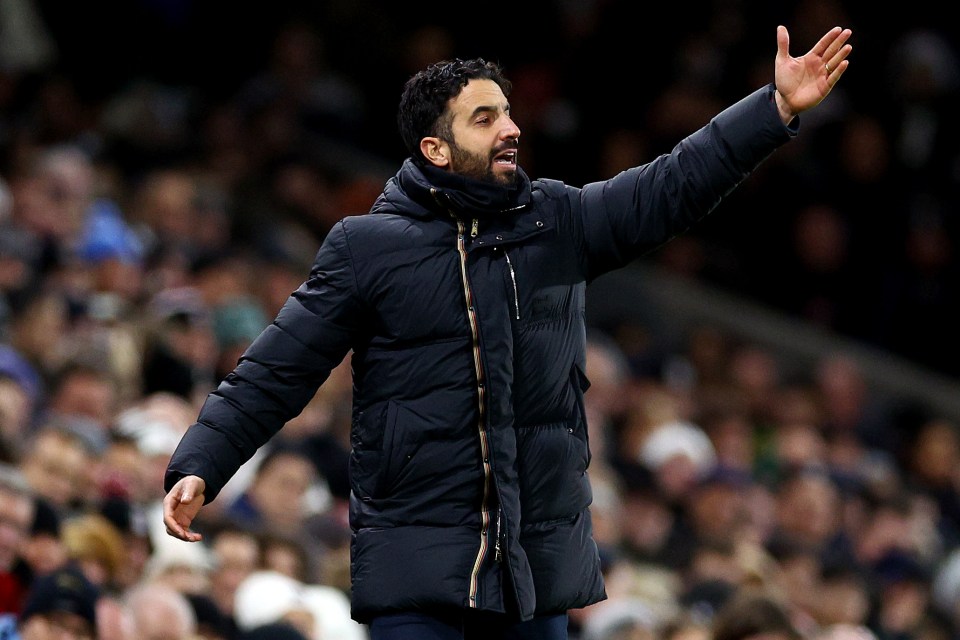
506	158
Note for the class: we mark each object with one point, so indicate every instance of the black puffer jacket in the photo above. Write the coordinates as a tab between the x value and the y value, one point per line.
469	443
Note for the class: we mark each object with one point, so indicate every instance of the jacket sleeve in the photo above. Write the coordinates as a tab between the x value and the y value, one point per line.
277	375
643	207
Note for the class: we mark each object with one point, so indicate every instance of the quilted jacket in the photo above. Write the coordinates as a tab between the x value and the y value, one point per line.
465	324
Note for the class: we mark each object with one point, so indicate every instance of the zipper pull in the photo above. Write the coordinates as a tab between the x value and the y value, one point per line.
497	553
473	228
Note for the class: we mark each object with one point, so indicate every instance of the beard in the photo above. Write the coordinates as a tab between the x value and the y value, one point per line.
478	167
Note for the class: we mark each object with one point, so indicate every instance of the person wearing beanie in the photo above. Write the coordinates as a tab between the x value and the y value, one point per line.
58	603
42	551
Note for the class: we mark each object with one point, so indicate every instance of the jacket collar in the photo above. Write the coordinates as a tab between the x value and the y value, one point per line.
440	192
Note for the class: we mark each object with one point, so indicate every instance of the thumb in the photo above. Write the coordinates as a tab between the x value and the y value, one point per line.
187	493
783	42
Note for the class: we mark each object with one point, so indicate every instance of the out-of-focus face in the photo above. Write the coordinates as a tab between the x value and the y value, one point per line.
278	491
53	199
484	144
122	468
284	559
935	454
58	625
15	408
58	468
718	511
843	602
808	509
238	555
44	552
159	623
16	518
88	395
160	612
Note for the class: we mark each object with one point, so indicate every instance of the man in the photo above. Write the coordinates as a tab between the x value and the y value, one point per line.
461	296
61	604
160	612
57	463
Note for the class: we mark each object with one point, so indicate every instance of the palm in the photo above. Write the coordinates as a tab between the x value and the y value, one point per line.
805	81
186	512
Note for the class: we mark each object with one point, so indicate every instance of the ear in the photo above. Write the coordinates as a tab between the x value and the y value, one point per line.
435	151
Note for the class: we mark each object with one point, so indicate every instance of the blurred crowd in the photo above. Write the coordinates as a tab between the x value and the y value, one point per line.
167	175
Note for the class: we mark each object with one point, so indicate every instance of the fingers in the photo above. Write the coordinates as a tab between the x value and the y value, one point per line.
828	39
833	48
178	524
180	506
184	534
170	505
838	62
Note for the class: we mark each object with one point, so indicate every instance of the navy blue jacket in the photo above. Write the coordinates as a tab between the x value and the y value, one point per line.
469	444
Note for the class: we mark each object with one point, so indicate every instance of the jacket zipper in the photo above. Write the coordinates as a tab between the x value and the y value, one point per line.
497	553
481	423
513	281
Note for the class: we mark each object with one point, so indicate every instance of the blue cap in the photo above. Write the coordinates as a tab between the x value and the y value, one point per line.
107	236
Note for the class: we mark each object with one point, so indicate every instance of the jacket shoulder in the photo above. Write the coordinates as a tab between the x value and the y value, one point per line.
549	188
367	223
361	230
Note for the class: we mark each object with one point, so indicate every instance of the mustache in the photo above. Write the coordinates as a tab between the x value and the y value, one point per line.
511	145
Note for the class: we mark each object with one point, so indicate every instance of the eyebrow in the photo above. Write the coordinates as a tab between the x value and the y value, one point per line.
485	107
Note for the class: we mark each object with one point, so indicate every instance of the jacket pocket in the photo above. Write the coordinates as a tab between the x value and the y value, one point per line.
377	455
409	442
366	450
390	464
580	386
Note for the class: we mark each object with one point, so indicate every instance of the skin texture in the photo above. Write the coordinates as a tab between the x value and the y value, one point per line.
484	142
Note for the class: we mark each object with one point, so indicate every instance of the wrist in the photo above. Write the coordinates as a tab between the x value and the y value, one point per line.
786	113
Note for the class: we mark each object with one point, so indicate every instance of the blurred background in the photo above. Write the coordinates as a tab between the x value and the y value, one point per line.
168	169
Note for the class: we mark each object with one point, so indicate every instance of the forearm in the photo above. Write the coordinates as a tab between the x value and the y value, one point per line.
642	208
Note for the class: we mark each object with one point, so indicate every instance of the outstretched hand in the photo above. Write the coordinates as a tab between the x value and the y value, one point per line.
804	82
181	505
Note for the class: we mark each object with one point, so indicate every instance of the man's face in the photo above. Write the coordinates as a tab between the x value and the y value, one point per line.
278	490
238	555
57	625
58	468
484	140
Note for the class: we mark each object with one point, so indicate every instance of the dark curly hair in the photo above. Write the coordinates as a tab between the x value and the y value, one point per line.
423	104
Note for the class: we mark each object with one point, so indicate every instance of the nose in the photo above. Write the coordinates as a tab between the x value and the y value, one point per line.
510	130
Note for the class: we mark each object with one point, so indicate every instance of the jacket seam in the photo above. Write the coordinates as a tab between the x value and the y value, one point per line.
351	258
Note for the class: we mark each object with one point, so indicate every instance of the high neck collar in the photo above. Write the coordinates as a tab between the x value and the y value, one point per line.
465	196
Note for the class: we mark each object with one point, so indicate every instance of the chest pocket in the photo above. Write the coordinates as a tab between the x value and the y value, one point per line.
536	296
